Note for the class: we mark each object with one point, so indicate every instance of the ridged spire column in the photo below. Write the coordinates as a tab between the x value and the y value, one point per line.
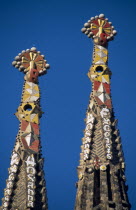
101	171
25	186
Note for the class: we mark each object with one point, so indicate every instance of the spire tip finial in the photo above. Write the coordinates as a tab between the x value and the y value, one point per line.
31	59
100	29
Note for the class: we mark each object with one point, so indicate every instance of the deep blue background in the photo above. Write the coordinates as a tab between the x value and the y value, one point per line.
54	28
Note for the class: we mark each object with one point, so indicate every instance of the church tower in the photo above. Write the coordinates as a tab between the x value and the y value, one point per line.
25	186
101	172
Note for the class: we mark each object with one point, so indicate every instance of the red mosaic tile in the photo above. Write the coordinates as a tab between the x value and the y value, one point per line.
106	87
108	103
96	85
24	125
35	146
35	128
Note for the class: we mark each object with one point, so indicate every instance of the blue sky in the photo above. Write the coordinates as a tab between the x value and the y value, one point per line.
54	27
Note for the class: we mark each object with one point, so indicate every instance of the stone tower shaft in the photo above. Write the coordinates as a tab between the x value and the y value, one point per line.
101	171
25	186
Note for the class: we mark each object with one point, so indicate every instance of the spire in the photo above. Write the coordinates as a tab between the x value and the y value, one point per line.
101	172
25	186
